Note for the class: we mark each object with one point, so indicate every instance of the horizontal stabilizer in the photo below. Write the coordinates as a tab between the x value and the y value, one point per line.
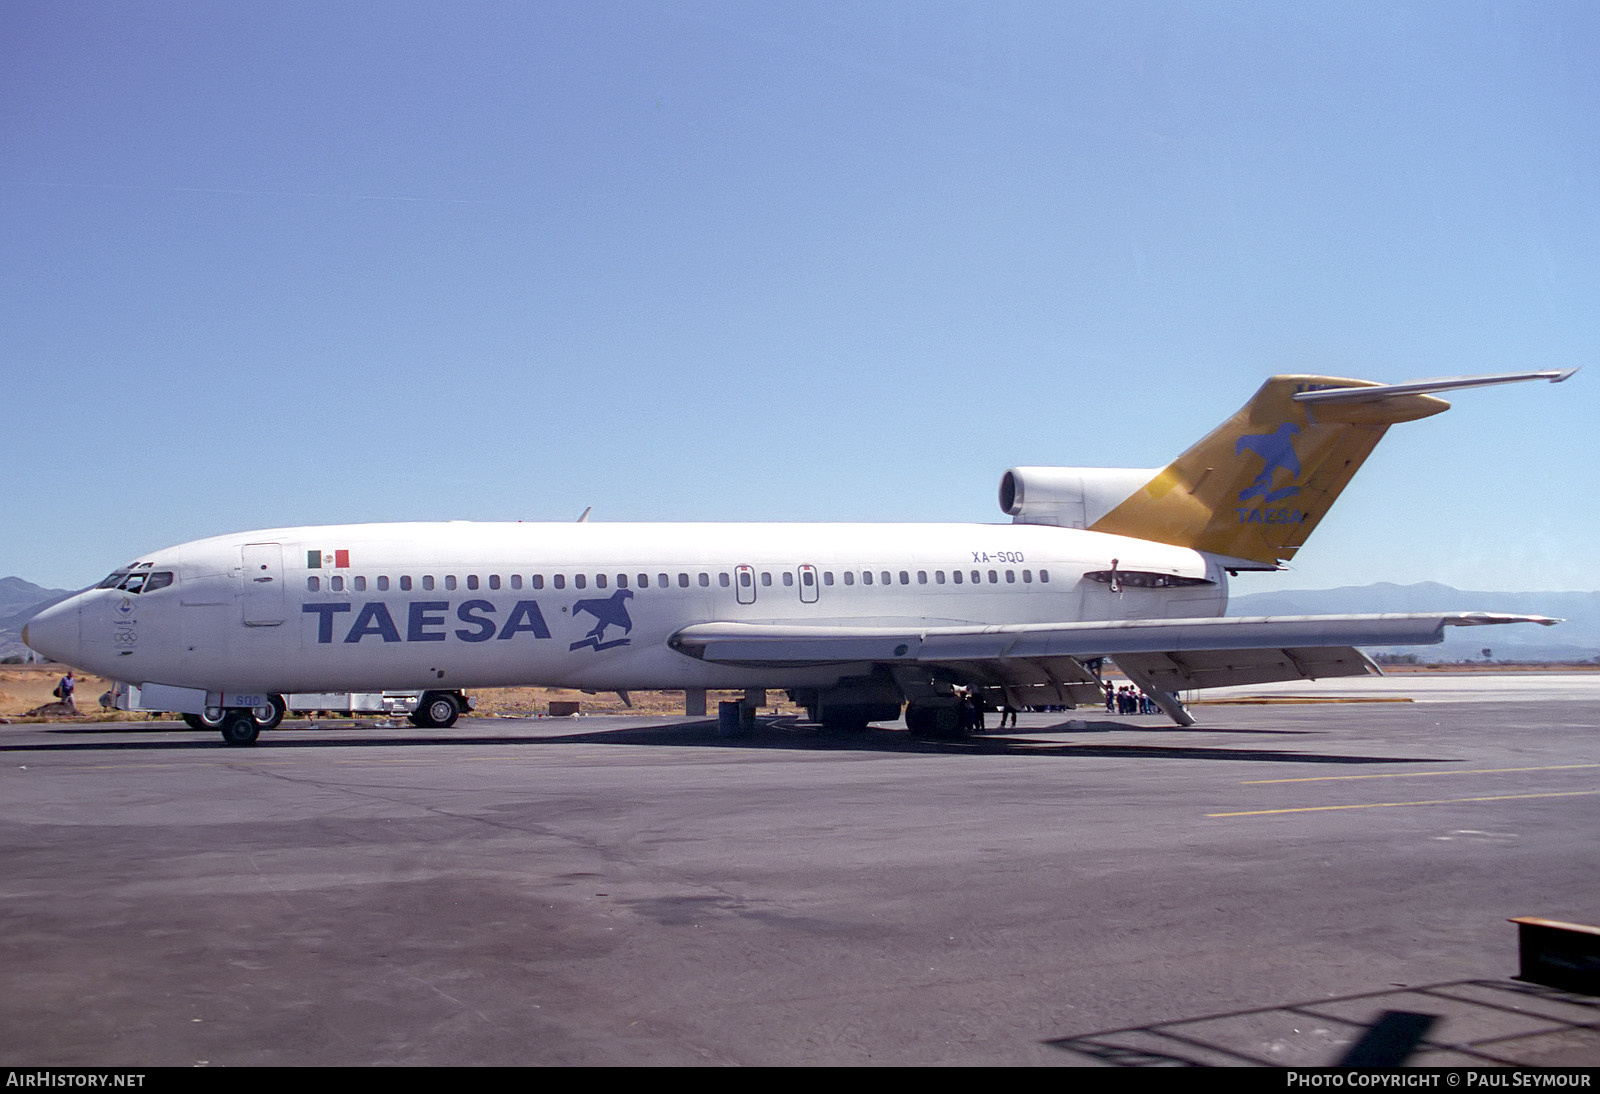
1426	387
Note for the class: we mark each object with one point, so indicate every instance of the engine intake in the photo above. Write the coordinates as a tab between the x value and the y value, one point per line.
1068	497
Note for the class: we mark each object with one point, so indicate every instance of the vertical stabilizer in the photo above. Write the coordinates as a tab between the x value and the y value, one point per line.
1255	487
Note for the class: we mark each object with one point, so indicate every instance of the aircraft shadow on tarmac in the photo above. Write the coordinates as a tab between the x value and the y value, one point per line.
1515	1022
771	733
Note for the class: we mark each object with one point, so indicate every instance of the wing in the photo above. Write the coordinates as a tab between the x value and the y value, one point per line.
1044	663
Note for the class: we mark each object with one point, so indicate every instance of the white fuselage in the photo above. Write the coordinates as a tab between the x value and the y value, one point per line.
462	605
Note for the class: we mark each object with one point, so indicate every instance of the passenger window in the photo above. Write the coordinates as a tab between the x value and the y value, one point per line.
788	578
977	578
705	581
766	578
359	584
994	578
849	577
905	578
662	582
1027	577
599	581
450	582
683	581
580	581
938	577
827	577
336	583
622	581
886	577
536	581
516	581
1011	577
405	583
866	577
559	581
1044	575
922	577
494	581
722	579
312	584
744	579
955	575
427	582
383	583
472	581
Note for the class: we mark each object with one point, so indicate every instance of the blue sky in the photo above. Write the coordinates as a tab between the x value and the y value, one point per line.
320	262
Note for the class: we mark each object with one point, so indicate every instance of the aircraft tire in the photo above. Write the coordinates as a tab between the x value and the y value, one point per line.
239	728
206	720
436	710
274	708
939	722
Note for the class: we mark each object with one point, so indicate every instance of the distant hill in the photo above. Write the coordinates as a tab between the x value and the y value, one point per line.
1578	638
20	601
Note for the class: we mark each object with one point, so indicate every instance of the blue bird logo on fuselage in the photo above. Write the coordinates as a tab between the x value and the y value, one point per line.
1276	450
610	612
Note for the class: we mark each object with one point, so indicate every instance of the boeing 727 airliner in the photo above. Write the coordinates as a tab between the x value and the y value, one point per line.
857	622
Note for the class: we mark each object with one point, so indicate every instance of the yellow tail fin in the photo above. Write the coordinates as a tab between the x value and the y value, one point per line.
1256	486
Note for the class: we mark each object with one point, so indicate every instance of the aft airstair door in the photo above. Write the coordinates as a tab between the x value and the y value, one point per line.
261	577
744	584
808	584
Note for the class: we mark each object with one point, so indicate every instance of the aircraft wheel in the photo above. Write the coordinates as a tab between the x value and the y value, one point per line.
239	728
941	722
211	719
437	710
270	713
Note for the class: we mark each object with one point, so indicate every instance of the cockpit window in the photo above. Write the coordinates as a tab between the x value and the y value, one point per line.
139	580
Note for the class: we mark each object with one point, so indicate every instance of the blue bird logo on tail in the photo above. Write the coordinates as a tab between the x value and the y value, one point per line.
610	612
1276	450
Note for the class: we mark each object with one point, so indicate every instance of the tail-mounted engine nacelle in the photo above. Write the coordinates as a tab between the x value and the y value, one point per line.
1068	497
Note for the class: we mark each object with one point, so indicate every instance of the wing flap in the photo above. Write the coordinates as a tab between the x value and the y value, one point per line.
1194	670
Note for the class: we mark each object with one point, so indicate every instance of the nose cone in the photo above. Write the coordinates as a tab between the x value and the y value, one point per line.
55	632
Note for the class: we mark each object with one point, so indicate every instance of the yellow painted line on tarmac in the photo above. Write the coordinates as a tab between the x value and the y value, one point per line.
1418	774
1390	805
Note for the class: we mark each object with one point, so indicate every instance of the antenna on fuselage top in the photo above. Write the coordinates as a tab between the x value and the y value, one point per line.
585	518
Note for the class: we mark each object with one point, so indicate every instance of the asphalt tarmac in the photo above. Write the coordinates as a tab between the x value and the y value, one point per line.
1089	889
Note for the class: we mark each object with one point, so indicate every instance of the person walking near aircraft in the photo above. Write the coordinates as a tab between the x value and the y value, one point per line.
64	689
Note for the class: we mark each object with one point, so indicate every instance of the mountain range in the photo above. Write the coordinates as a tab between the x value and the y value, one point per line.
1575	639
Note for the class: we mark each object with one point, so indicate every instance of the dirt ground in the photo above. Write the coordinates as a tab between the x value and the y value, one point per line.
24	687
